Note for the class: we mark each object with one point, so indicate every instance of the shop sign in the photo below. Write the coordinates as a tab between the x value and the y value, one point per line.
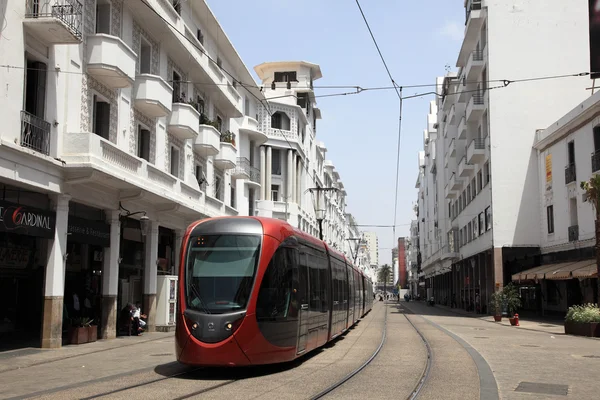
26	220
86	231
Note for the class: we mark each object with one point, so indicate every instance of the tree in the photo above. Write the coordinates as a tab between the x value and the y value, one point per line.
592	191
383	275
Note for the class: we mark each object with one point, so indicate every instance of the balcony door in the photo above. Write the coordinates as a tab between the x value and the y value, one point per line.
35	88
597	139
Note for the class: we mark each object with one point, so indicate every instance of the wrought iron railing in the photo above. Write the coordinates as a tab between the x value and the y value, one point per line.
35	133
478	99
243	166
478	55
596	161
70	12
570	174
573	233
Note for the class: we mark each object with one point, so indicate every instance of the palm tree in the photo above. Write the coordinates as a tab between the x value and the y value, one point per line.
383	275
592	190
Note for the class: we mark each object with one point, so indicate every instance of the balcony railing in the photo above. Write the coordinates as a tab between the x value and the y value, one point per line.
573	233
35	133
570	174
479	144
478	55
68	11
472	5
596	161
478	99
243	165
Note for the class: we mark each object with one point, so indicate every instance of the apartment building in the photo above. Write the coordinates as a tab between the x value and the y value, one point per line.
123	122
293	164
567	153
373	246
478	217
412	257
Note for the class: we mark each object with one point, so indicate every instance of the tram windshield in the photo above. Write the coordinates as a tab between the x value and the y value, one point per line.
219	272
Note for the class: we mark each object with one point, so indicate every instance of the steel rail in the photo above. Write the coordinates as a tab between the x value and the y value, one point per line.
425	375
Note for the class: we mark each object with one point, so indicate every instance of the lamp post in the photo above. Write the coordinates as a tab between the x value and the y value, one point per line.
144	220
319	205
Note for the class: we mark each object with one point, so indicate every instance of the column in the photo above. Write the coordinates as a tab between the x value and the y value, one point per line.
54	285
267	187
110	277
290	176
178	241
151	255
298	180
295	178
263	171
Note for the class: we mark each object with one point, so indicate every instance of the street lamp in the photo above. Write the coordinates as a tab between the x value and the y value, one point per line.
144	220
319	205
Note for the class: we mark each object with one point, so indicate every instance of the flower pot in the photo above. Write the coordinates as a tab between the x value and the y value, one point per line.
497	318
78	335
590	329
92	333
513	321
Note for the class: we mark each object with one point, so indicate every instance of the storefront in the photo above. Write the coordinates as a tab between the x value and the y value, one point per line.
26	223
132	263
88	235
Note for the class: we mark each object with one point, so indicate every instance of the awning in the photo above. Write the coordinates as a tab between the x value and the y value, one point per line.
565	272
588	271
541	272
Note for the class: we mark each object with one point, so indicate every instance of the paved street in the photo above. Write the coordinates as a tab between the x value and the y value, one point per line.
471	358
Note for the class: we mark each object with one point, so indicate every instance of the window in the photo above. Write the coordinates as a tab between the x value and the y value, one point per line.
35	92
275	192
597	139
481	223
246	106
101	117
219	62
232	197
479	181
177	6
475	224
280	120
486	173
275	294
176	87
469	197
450	210
251	203
289	76
200	176
200	36
174	161
488	218
571	152
103	17
473	189
145	57
143	143
275	162
469	232
550	218
218	187
219	124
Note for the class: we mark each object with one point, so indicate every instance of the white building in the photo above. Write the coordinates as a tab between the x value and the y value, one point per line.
115	110
567	152
412	251
292	160
373	246
477	208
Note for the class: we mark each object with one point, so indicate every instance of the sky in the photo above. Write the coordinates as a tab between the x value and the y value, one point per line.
418	40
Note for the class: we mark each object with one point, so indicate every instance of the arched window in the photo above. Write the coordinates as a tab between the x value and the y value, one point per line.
280	120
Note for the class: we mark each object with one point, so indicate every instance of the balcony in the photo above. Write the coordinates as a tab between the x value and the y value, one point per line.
227	156
573	233
465	169
450	194
152	95
570	174
110	61
208	141
35	133
476	151
474	65
452	115
184	121
244	170
54	21
454	183
451	149
596	161
475	16
475	108
462	129
249	127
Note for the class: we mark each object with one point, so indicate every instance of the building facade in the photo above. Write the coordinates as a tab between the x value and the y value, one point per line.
412	251
478	218
373	246
127	121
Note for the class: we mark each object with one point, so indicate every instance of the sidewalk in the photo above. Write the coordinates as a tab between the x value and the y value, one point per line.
30	356
539	325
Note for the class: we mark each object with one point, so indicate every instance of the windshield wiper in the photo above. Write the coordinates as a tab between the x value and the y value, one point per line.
197	293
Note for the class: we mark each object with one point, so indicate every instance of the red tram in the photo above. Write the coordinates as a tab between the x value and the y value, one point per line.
258	291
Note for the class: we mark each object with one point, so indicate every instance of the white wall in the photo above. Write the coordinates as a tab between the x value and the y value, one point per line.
529	39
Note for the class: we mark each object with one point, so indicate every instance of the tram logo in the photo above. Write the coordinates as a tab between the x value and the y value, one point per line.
211	326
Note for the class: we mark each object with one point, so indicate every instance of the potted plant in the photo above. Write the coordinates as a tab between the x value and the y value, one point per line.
513	301
79	330
583	320
497	299
92	332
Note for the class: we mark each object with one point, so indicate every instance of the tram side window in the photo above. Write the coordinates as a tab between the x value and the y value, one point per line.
324	278
275	294
315	291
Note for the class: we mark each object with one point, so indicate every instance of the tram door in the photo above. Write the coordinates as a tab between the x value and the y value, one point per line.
303	297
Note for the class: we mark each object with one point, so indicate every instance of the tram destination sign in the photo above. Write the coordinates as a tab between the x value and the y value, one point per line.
26	220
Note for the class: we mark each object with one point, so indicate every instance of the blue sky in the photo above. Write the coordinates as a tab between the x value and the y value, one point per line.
417	38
